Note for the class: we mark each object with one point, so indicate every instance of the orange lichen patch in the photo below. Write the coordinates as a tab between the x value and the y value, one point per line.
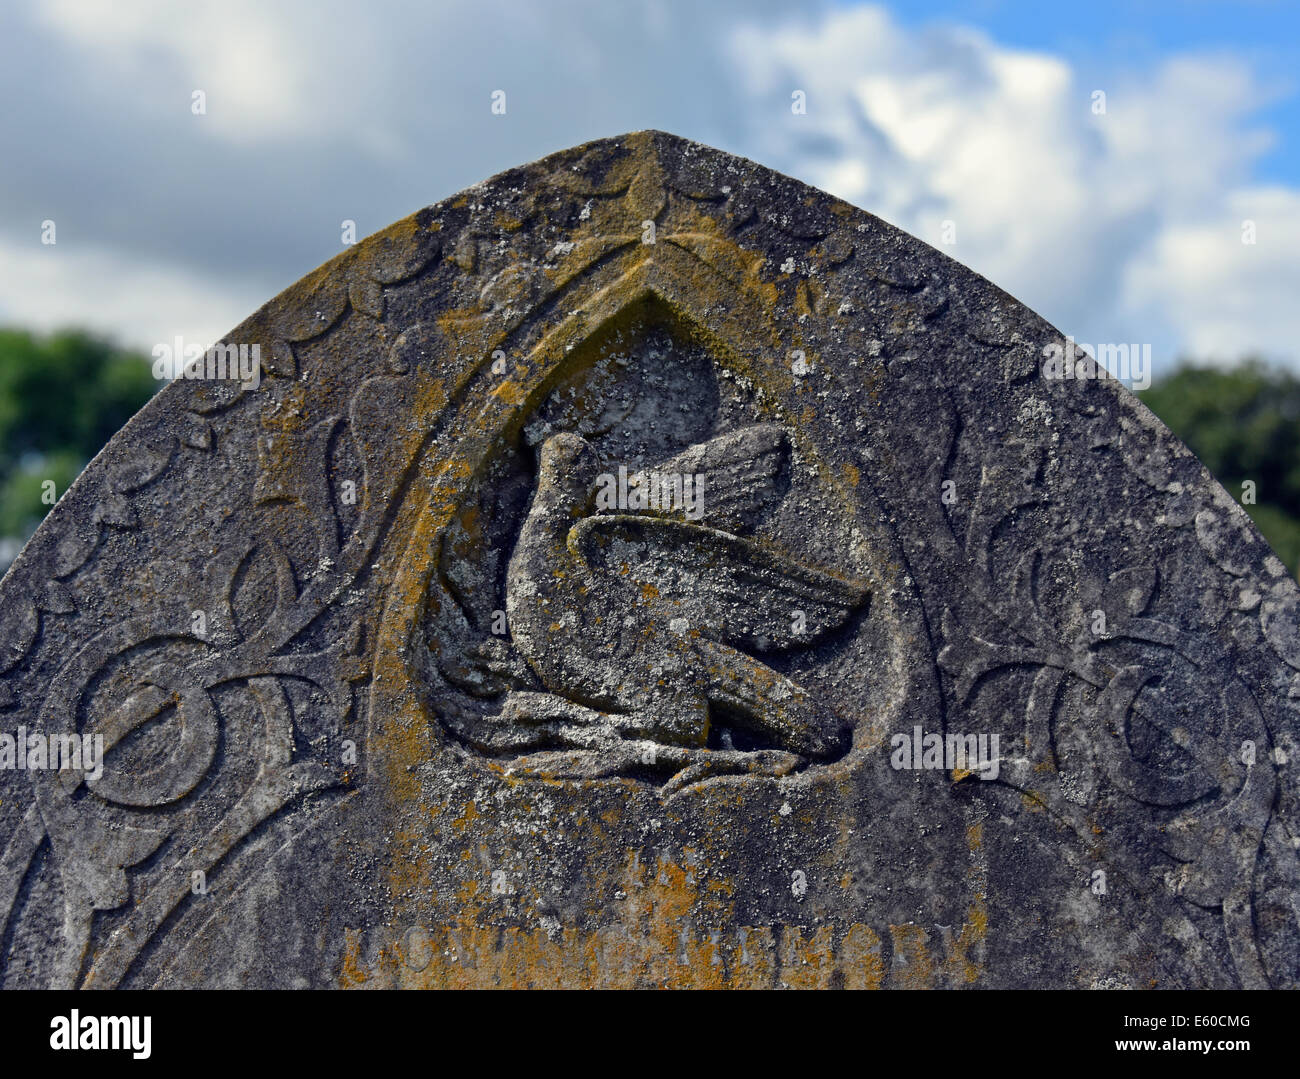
851	474
466	818
646	193
673	926
430	400
753	957
641	950
659	922
807	962
407	871
449	474
402	235
960	962
872	382
860	958
510	392
355	973
913	968
404	738
810	298
964	959
469	891
459	323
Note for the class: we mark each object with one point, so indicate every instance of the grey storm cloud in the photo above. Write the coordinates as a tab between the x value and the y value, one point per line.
1121	227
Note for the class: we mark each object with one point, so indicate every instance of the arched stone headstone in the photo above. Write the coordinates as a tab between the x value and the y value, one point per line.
593	584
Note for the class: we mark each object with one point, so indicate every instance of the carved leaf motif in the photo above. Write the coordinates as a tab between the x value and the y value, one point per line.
1279	616
1130	590
367	297
1223	539
140	470
115	510
262	584
75	548
57	599
198	432
17	633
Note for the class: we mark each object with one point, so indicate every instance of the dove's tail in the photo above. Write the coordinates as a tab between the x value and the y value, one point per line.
767	703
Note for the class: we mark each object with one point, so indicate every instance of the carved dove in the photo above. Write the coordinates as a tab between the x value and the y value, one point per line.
635	624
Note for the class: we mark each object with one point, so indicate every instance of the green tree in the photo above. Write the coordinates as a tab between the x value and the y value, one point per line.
62	396
1244	425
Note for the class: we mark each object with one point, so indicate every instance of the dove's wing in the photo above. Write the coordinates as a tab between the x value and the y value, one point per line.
730	589
743	475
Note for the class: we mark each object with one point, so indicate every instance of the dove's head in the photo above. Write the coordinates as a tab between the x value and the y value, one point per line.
566	470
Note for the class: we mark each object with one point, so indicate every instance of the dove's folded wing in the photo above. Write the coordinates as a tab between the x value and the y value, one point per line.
730	589
743	475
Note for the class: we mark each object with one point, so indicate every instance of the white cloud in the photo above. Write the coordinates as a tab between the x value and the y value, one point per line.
1229	297
1116	227
255	62
1122	227
140	303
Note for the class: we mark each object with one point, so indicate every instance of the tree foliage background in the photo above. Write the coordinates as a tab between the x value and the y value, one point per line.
62	396
1244	425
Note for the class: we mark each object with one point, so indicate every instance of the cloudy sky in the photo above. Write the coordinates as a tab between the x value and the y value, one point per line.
1118	226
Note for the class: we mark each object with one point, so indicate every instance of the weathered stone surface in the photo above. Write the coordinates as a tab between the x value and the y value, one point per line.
396	695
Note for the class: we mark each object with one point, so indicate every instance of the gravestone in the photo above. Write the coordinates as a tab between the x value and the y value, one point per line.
643	569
